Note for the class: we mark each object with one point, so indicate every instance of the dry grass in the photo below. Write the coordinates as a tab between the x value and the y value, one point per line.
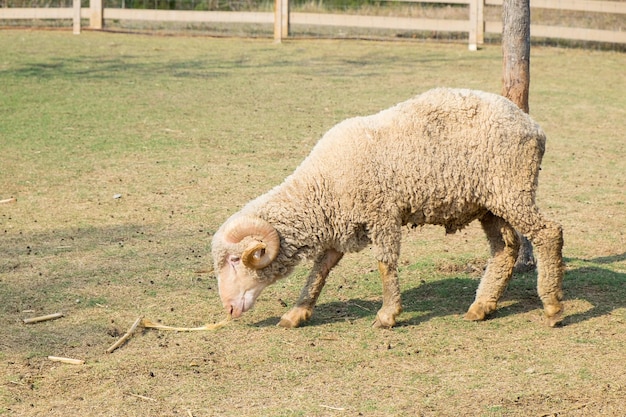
187	130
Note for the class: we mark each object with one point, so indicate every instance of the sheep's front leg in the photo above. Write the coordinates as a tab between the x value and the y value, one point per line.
392	304
311	291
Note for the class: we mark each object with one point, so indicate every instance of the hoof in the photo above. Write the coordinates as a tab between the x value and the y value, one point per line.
380	325
555	321
473	316
286	323
384	320
478	311
554	314
294	317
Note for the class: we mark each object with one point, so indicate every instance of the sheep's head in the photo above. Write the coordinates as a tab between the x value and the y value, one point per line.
242	248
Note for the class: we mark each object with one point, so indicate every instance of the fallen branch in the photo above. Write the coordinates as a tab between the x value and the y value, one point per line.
143	397
148	324
8	200
213	326
43	318
66	360
332	408
17	383
126	336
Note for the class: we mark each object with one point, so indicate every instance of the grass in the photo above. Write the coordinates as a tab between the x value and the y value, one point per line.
187	130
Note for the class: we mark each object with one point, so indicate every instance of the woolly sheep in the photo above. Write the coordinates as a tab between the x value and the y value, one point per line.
445	157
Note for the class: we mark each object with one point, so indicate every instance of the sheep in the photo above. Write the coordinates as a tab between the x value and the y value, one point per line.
445	157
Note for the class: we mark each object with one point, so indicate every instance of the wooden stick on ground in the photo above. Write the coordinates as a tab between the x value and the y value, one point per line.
66	360
8	200
43	318
332	408
126	336
143	397
213	326
147	324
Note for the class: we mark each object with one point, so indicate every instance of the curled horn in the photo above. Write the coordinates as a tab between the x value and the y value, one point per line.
265	246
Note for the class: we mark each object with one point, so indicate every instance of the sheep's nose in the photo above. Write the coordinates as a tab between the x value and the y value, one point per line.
230	309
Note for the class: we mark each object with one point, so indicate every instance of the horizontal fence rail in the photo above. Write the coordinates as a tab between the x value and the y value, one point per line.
379	22
475	25
560	32
189	16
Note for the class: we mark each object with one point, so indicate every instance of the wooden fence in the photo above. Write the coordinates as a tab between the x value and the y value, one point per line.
475	26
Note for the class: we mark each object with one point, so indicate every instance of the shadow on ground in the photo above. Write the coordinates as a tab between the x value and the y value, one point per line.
603	288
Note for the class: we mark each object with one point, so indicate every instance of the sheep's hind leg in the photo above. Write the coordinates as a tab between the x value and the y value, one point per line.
504	244
547	238
392	304
303	309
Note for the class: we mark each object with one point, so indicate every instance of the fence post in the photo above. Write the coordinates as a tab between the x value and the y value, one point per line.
285	20
477	24
480	23
96	11
473	25
76	17
281	20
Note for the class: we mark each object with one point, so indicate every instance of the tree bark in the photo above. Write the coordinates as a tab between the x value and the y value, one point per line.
516	82
516	51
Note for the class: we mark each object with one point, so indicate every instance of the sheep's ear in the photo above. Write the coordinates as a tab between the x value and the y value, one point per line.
255	256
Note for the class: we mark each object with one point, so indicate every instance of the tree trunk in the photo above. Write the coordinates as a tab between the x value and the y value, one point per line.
516	51
516	81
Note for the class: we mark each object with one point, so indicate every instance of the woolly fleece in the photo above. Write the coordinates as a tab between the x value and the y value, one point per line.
445	157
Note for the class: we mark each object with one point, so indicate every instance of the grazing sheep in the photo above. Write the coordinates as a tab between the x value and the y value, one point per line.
445	157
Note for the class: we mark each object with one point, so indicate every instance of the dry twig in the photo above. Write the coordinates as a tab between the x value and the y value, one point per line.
17	383
66	360
143	397
148	324
213	326
8	200
126	336
332	408
43	318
